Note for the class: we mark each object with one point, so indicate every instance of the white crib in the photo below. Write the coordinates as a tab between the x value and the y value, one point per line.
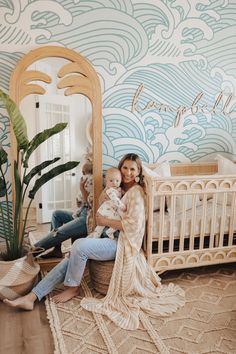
191	217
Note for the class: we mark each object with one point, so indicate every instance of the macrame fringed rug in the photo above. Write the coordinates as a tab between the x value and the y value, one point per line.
206	324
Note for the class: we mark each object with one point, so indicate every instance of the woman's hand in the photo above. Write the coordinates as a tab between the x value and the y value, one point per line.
82	183
82	189
103	221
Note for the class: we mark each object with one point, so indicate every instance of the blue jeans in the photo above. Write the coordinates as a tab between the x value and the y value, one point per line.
63	227
70	270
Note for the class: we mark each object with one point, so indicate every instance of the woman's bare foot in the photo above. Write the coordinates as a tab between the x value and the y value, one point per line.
66	295
24	302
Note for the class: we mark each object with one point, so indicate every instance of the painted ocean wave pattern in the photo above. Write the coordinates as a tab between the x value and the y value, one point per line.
19	25
174	71
7	64
220	51
175	48
195	136
105	36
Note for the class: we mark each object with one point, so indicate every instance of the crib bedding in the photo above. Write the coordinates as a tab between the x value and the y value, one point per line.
215	223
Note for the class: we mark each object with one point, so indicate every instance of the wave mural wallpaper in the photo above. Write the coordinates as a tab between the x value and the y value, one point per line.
167	69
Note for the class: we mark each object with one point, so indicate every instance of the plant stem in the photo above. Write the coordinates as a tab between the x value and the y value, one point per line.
25	189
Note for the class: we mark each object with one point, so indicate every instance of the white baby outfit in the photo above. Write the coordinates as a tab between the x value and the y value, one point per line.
111	209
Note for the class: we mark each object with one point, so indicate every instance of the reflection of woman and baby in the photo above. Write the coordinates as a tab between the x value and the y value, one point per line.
134	285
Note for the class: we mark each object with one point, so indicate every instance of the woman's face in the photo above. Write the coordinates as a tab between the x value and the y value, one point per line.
129	171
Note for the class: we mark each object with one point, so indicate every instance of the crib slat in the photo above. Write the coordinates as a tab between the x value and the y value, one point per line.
213	221
203	221
183	224
172	222
232	219
162	224
193	224
222	220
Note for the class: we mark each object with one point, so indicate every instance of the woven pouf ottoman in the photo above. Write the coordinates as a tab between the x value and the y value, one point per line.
100	275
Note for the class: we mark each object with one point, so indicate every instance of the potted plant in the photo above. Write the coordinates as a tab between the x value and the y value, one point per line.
12	224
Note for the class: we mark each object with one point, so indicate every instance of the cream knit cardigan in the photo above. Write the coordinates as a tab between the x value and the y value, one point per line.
134	285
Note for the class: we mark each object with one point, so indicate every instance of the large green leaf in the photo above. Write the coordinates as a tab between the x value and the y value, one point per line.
3	159
37	169
51	174
40	138
3	156
17	121
3	188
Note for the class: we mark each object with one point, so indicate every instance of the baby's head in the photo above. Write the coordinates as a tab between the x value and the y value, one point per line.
87	168
113	177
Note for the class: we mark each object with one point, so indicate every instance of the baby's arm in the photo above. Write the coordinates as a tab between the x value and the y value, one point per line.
114	195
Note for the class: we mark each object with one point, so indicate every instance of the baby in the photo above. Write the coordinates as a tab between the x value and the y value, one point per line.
87	171
113	207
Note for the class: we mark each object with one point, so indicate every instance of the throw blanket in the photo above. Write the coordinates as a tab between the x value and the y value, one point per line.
134	285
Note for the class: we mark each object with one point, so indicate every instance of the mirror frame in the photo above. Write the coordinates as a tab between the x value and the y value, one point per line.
86	83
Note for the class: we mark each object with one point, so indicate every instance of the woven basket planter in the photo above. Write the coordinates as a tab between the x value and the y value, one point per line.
100	275
17	277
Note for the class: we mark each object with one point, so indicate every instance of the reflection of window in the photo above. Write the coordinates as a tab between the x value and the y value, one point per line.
58	113
59	195
59	145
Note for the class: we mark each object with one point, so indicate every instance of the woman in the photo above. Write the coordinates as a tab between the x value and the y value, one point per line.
134	285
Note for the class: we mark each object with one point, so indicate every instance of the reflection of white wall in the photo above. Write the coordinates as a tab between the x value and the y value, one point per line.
27	108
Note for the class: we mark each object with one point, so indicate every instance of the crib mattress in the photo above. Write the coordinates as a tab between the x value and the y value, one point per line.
179	223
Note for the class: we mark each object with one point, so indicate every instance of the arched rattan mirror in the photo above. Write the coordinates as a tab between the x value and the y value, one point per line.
77	76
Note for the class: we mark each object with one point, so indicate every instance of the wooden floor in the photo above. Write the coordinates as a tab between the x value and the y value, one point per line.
25	332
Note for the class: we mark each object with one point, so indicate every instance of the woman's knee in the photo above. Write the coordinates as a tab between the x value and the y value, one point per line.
56	213
55	218
79	246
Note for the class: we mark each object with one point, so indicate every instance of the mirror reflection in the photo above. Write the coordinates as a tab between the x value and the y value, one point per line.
73	143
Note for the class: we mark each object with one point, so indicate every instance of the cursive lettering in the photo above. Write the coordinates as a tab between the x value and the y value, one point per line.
181	110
